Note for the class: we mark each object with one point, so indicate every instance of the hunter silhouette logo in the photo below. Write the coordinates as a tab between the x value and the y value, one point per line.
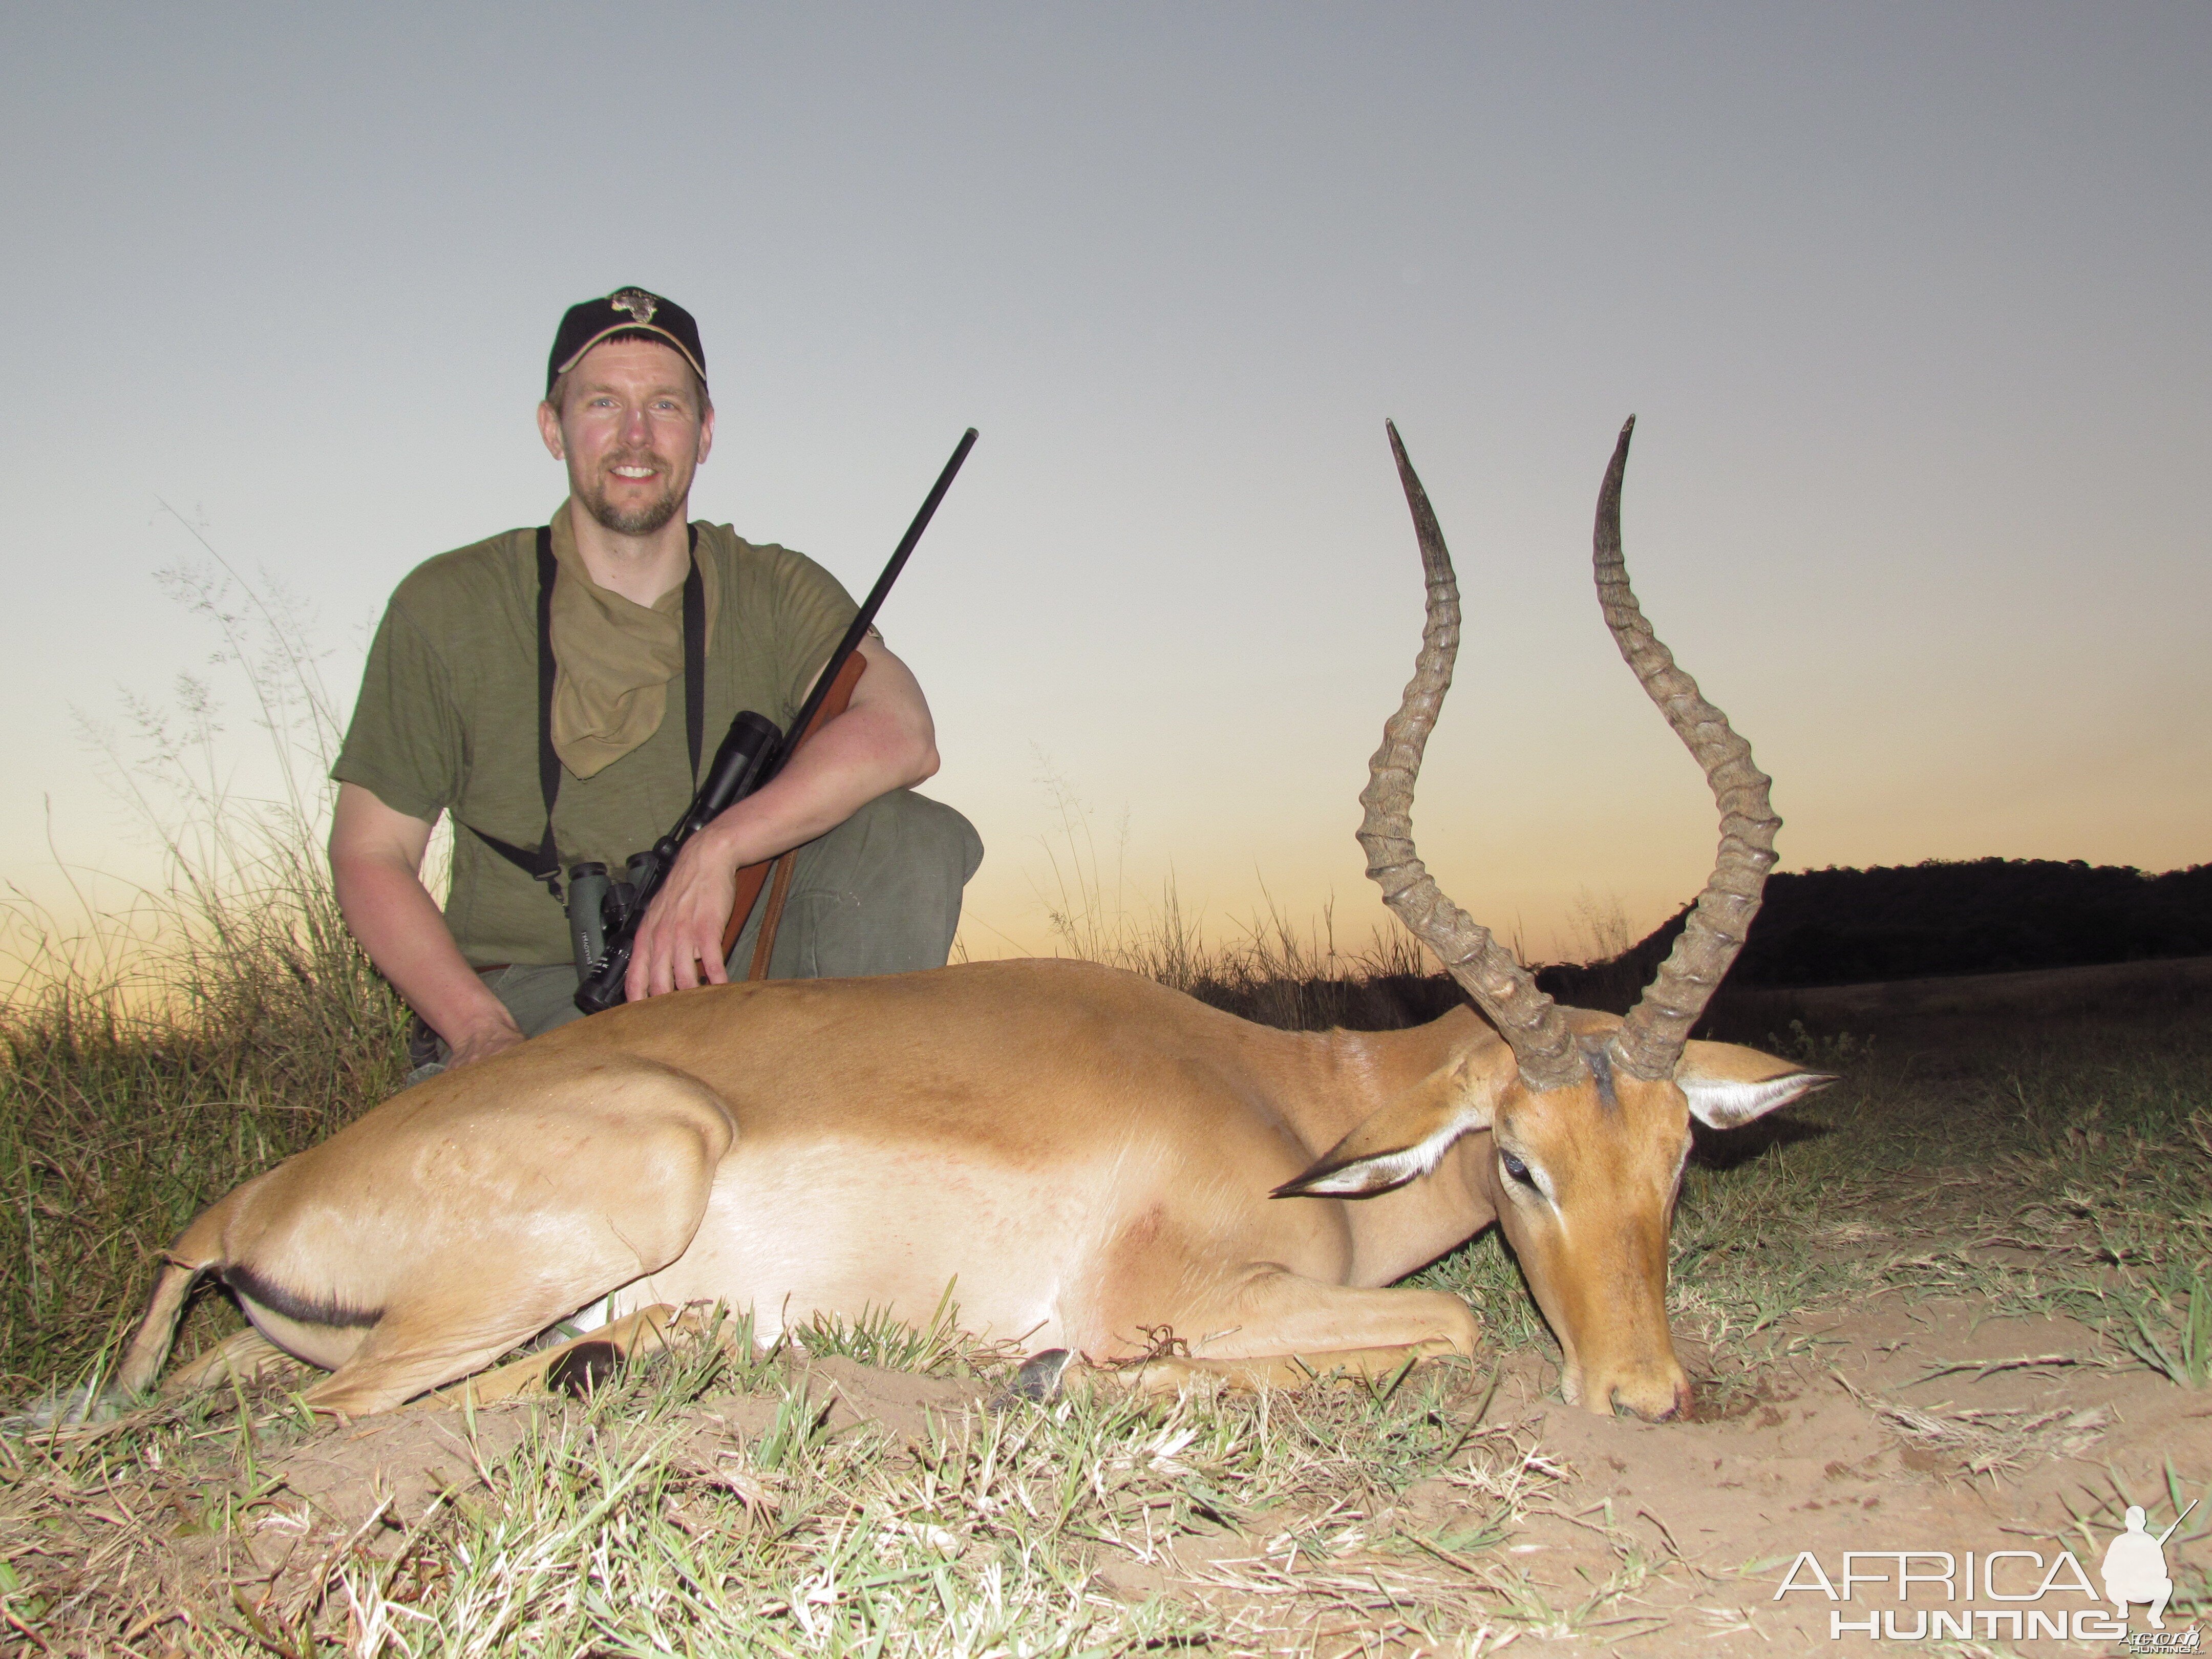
2135	1566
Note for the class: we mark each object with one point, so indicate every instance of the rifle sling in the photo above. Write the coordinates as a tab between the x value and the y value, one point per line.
545	862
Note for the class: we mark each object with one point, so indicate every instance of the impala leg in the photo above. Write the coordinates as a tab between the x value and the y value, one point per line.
596	1179
157	1329
439	1339
579	1362
244	1356
400	1361
403	1357
1277	1329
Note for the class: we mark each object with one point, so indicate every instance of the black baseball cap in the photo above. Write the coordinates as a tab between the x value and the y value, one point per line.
627	310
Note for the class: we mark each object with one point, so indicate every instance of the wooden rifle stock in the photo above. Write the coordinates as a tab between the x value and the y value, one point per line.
752	877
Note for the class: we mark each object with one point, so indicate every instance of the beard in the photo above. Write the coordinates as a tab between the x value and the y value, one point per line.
646	518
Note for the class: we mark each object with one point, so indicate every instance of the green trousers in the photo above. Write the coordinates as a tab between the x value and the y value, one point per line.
879	894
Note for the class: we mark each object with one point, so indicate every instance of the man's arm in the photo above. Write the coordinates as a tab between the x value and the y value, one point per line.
884	740
376	866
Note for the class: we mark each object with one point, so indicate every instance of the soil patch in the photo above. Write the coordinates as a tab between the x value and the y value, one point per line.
1916	1426
1893	1425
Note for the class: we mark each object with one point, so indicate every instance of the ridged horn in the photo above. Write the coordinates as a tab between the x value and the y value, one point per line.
1524	1016
1650	1042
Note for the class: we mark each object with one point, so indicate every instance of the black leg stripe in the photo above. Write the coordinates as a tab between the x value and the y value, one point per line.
243	1281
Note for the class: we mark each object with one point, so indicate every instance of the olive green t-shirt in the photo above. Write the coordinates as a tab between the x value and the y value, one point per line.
448	720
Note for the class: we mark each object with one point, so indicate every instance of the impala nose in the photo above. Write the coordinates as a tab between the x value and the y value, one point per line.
1659	1400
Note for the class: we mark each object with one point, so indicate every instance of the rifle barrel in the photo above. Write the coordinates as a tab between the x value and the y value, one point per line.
2177	1520
874	602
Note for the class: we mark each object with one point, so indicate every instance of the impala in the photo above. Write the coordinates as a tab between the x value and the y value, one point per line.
1091	1159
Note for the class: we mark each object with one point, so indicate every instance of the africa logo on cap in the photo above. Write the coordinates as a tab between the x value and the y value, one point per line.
590	321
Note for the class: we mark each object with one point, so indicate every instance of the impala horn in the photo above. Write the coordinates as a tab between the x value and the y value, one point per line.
1650	1042
1528	1019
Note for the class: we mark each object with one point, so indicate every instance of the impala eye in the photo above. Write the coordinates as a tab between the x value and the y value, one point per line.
1516	1168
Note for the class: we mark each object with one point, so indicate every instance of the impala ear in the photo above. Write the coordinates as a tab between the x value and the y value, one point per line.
1729	1085
1407	1137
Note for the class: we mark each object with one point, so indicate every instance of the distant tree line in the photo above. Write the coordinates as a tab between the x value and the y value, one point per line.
1925	920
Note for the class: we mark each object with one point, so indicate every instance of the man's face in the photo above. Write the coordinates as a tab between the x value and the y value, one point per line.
632	431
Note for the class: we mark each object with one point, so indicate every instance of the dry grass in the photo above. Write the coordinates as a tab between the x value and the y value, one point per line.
1985	1442
127	1105
712	1504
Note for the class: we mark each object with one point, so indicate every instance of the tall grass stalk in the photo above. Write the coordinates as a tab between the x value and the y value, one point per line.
157	1056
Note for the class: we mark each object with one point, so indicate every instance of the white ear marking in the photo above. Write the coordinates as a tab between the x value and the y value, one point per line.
1721	1103
1384	1170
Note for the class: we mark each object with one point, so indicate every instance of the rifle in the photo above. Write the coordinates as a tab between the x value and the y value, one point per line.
604	915
2177	1520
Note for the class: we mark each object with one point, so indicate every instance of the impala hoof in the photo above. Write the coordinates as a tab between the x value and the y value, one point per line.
582	1369
1038	1380
77	1408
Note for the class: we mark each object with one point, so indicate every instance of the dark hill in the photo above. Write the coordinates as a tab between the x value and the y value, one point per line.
1926	921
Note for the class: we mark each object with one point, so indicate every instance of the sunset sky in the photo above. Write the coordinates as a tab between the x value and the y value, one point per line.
1910	302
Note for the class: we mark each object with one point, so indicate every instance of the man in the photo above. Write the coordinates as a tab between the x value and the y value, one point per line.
2135	1567
657	631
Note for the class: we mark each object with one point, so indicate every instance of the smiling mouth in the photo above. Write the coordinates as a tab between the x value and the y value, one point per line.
635	474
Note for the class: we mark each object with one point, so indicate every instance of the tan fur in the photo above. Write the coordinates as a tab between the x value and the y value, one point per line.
1085	1156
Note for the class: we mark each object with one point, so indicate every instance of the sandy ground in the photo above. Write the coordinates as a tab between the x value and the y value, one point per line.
1895	1426
1900	1426
1870	1438
1675	1539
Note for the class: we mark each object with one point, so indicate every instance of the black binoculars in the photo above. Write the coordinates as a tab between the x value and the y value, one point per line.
603	915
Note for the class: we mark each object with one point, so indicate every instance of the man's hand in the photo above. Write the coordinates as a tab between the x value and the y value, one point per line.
679	943
884	740
482	1044
376	862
